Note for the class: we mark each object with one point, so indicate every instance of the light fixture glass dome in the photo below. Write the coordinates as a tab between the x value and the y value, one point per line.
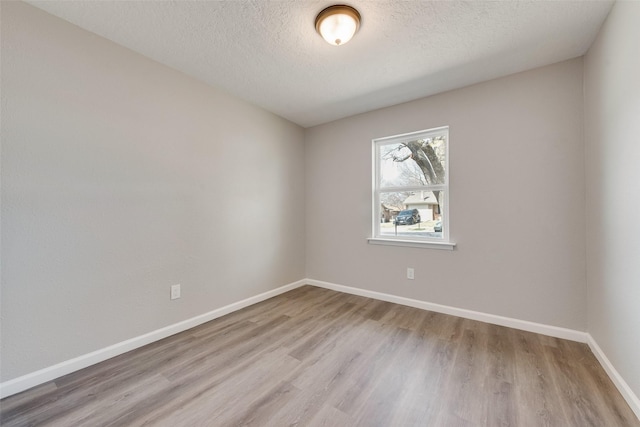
337	24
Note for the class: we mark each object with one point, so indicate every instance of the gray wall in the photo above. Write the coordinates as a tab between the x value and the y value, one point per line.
612	134
121	177
517	200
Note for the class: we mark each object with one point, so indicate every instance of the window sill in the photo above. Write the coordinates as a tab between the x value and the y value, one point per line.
447	246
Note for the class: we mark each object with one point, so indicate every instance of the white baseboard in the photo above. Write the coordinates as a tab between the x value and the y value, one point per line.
524	325
617	379
539	328
33	379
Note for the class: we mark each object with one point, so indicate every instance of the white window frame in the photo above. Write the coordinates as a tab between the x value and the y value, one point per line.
420	242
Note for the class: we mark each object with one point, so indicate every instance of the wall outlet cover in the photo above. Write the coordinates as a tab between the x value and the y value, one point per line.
410	274
175	291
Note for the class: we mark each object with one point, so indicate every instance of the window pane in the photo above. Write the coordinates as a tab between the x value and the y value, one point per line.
417	162
415	214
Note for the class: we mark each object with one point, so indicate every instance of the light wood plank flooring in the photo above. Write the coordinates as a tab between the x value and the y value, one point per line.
315	357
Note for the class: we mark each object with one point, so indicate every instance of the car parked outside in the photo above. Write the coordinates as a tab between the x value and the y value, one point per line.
408	216
438	226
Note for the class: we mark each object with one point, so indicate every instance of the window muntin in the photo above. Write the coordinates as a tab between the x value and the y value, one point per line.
411	172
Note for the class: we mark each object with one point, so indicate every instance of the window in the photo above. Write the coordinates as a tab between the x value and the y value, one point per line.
411	189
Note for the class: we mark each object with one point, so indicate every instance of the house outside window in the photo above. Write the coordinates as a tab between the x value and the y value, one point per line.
411	189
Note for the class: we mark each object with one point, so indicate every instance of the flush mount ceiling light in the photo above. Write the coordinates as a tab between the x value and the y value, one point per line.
337	24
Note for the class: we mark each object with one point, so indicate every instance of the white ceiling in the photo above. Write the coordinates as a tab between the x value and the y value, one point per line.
268	53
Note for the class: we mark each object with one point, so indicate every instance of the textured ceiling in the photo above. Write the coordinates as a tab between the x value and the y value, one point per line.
268	53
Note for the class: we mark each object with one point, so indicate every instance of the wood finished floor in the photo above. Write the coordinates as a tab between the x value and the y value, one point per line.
315	357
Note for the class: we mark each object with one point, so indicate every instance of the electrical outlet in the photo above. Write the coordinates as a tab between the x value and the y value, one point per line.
175	291
410	275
